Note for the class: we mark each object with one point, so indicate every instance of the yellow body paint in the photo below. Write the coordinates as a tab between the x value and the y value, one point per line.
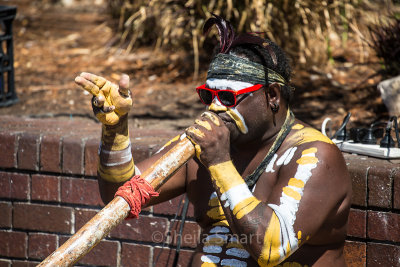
223	222
245	207
114	165
217	108
307	135
196	132
299	235
298	126
117	174
270	255
234	245
307	160
296	183
238	121
291	193
205	124
216	212
279	246
233	189
212	117
225	176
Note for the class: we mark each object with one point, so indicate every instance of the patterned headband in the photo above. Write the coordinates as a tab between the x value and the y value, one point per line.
225	66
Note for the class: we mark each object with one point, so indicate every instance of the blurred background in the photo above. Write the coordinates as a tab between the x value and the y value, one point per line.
340	51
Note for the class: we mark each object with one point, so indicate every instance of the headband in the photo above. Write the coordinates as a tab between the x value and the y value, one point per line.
231	67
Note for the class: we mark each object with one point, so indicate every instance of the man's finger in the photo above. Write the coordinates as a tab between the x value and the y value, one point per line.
124	85
205	124
98	101
211	116
87	85
97	80
108	109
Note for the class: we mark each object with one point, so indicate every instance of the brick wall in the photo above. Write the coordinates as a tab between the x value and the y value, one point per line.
49	191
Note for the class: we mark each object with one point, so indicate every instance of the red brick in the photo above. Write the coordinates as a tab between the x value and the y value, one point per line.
82	216
13	244
380	187
6	214
45	187
72	155
135	255
357	223
17	263
42	218
103	254
14	185
5	263
150	229
28	151
140	151
171	207
50	153
8	148
396	189
80	191
190	235
383	255
358	172
355	254
5	185
384	226
41	245
91	156
166	257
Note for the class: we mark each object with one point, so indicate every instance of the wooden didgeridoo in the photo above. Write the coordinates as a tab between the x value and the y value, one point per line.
111	215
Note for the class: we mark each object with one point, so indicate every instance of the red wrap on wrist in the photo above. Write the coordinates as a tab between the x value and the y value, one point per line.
137	192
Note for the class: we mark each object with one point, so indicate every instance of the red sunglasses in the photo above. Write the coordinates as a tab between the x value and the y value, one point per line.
227	97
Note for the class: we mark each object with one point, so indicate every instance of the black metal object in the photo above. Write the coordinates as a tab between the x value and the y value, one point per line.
8	95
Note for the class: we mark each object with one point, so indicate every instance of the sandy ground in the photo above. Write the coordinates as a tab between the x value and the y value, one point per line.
53	43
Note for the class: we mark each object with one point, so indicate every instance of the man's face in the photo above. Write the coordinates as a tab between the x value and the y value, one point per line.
246	120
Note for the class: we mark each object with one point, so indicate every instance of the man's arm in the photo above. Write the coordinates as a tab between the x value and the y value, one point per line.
308	188
111	104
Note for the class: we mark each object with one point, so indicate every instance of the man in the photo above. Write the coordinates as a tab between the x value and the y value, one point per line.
267	189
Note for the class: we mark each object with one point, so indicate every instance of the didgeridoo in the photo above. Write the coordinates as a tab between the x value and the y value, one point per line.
111	215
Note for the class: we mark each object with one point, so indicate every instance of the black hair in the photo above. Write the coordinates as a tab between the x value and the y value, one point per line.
254	48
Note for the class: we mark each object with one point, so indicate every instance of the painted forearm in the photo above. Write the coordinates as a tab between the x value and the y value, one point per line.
115	156
270	234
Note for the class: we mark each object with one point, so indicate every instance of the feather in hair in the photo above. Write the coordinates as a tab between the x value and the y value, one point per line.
228	38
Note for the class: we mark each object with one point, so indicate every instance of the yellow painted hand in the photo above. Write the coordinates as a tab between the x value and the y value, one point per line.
110	101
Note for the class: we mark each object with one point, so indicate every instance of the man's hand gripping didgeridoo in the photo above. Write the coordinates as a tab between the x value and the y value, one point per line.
110	102
211	139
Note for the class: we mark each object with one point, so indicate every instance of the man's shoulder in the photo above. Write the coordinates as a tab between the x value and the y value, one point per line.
302	133
308	145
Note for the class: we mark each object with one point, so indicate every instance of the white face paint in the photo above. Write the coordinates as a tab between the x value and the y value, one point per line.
232	112
227	84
